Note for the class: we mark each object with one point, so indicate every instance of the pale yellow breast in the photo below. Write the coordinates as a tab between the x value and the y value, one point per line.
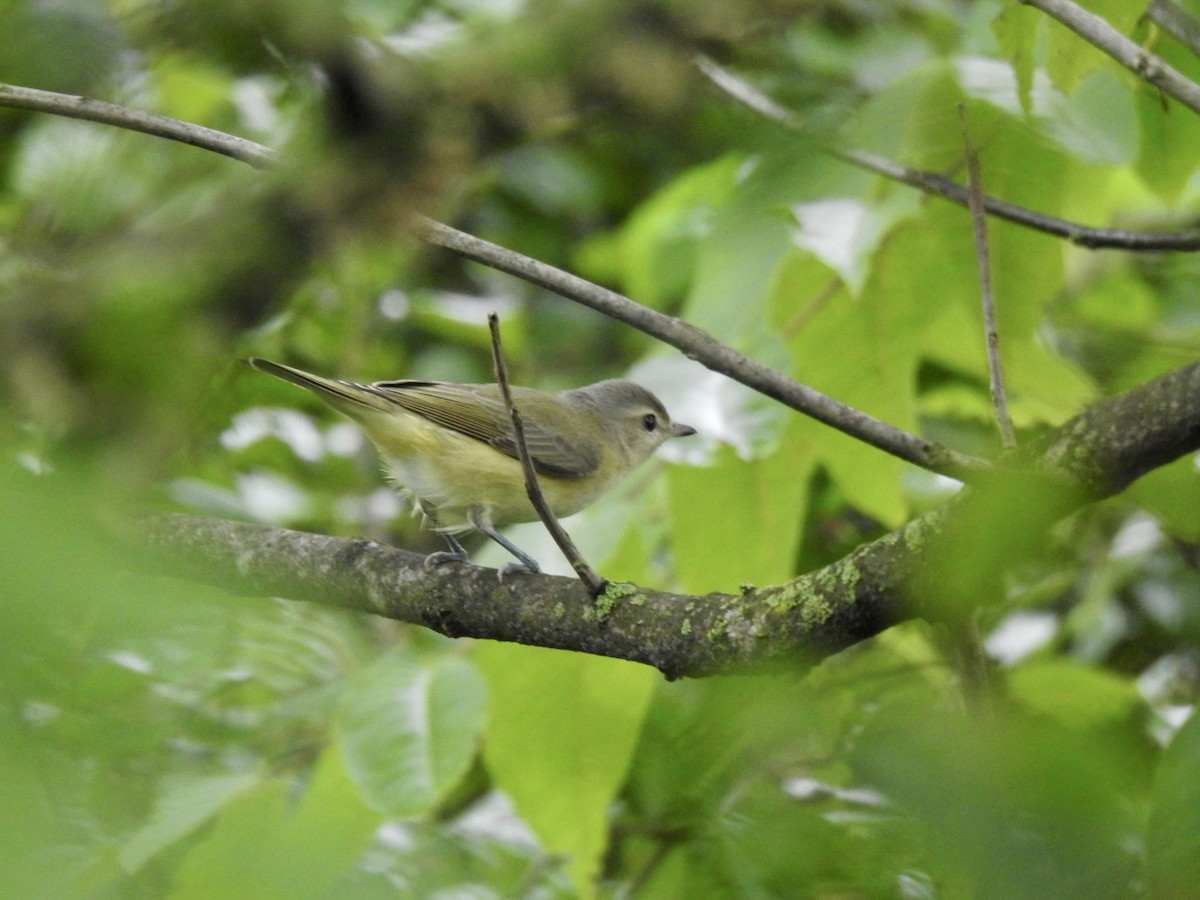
455	474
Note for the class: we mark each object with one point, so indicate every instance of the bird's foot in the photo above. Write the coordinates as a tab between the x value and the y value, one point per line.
529	567
441	557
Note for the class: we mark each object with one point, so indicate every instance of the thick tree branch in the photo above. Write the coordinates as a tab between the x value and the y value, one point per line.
1094	455
1137	59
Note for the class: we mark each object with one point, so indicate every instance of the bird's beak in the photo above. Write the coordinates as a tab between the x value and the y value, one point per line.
678	429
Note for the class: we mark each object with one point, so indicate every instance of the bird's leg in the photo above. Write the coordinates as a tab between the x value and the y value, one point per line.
456	553
483	523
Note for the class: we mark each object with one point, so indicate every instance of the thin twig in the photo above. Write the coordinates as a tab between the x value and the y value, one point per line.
593	582
987	297
1136	58
1081	235
702	347
940	186
1177	23
76	107
745	93
929	182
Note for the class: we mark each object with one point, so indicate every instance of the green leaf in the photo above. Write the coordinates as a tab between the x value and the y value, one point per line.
1120	301
1172	493
409	728
732	286
658	243
262	847
1170	133
839	348
1096	124
1019	807
739	521
913	119
230	861
182	806
1069	59
1077	695
329	829
846	233
1016	30
1173	833
561	731
39	839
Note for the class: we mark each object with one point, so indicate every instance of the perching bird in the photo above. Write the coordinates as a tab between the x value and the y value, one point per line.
451	446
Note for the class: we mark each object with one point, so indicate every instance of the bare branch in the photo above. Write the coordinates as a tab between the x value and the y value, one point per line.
1181	26
593	582
1080	235
76	107
1137	59
987	298
746	94
929	182
708	351
941	186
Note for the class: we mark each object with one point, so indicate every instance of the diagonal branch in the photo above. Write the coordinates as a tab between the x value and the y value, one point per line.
699	345
1137	59
941	186
74	106
1094	455
1176	22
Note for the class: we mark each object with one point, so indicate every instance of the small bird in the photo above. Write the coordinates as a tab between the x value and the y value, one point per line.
451	446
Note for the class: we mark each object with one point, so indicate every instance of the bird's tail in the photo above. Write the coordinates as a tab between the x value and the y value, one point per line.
348	397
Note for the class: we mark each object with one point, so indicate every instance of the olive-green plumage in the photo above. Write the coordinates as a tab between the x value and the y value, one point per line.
451	446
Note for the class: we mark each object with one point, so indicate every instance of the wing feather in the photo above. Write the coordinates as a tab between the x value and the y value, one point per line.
478	411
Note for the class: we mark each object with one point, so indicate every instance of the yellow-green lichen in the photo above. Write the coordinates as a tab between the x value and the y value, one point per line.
916	534
786	595
559	610
614	592
686	628
849	574
810	595
816	611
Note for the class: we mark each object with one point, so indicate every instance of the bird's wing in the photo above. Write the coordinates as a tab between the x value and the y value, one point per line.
478	411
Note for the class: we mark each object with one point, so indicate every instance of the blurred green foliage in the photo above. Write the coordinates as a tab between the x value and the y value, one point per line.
159	739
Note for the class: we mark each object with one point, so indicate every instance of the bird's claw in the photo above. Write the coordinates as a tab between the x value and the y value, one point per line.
441	557
514	567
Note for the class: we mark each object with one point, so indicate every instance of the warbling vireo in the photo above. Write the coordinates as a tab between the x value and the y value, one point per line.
451	446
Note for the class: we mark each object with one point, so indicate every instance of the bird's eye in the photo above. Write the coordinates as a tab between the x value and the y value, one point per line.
650	421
